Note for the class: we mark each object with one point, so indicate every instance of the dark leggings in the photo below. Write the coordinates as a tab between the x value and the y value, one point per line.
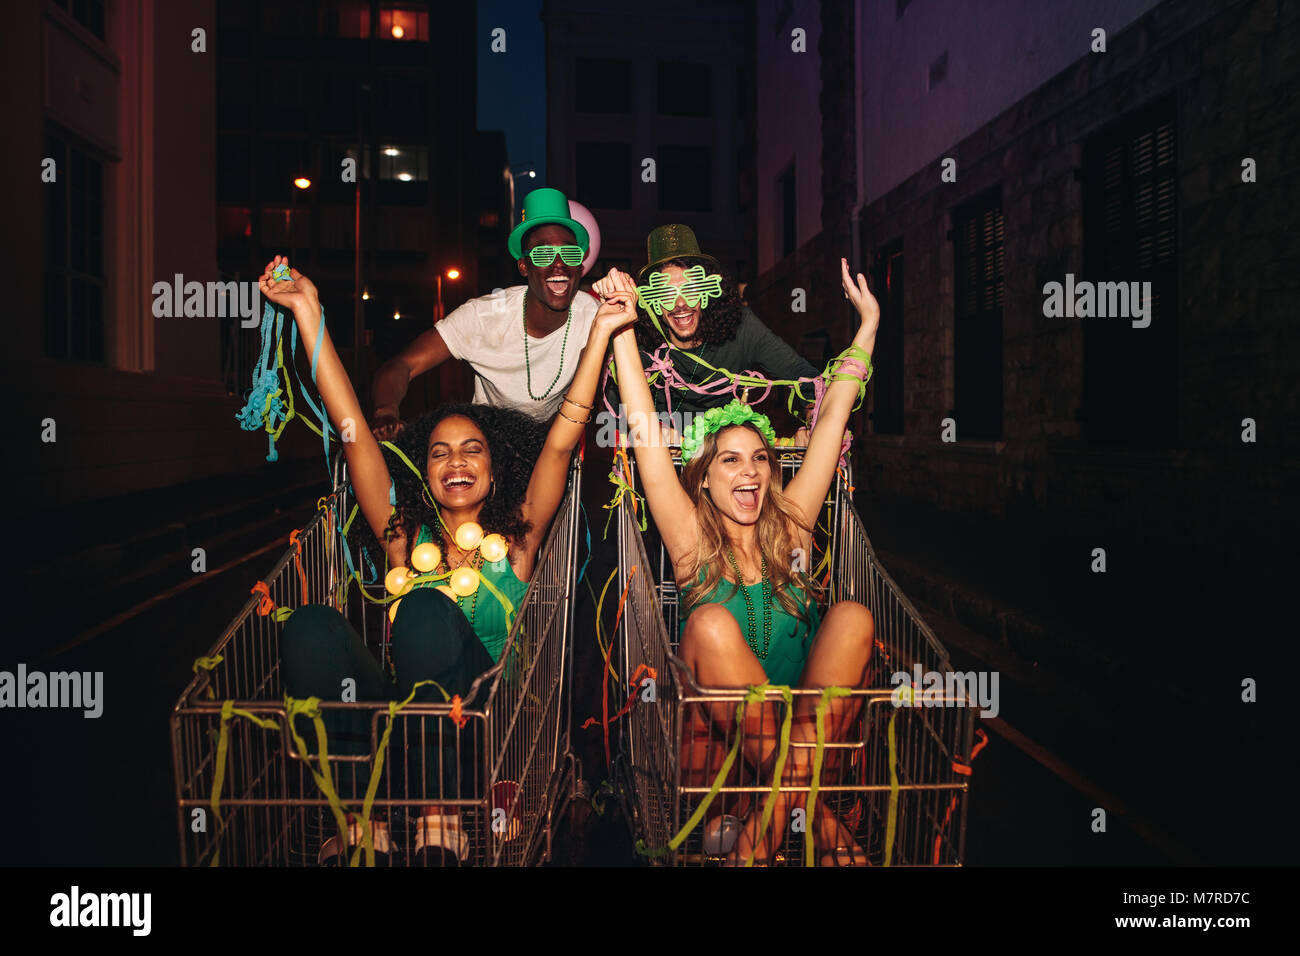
431	639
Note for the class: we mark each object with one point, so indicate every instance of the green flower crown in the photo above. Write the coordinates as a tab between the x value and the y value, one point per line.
734	412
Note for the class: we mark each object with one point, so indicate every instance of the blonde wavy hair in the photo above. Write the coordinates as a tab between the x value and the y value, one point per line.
777	541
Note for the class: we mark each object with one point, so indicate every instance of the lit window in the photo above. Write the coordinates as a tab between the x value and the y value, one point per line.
403	23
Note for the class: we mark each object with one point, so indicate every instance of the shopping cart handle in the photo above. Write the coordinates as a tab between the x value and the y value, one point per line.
829	745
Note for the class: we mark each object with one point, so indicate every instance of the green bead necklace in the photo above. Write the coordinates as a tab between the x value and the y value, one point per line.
477	564
528	368
751	637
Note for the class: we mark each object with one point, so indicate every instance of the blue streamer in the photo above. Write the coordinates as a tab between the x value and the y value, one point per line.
587	528
264	407
319	412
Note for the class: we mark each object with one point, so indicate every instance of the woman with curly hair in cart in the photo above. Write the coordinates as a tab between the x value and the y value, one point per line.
482	469
748	615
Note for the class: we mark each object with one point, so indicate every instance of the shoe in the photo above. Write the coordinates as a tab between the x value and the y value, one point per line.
332	854
439	841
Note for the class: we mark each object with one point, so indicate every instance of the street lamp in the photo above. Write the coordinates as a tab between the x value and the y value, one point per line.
453	275
303	183
525	169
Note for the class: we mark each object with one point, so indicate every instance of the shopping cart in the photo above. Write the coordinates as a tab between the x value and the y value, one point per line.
249	793
897	779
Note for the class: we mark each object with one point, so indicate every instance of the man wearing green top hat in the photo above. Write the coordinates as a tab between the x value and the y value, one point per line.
686	299
523	342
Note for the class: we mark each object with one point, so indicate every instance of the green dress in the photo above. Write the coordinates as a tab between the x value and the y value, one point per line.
487	615
791	637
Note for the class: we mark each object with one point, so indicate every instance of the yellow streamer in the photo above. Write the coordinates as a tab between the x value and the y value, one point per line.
891	817
822	706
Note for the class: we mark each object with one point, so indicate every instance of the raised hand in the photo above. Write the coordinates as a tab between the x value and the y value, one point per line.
615	282
293	293
617	311
862	299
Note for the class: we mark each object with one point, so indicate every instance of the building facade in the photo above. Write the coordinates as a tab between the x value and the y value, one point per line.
650	121
1000	157
112	157
304	87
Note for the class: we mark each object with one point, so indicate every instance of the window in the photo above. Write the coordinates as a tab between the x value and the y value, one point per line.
602	86
406	23
353	20
604	174
234	169
282	93
977	335
235	97
785	213
235	23
1130	200
403	175
887	376
234	226
685	176
282	161
74	260
340	108
401	104
89	13
685	89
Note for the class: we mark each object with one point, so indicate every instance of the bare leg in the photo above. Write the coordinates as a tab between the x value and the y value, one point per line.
716	652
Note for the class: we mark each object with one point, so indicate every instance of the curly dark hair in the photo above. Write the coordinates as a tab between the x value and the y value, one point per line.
514	441
718	322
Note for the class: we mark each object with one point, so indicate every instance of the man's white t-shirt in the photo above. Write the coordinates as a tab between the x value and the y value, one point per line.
488	333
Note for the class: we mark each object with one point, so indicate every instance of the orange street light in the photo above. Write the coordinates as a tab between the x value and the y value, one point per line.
302	182
452	274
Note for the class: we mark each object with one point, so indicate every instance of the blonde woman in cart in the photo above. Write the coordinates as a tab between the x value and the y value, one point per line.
730	529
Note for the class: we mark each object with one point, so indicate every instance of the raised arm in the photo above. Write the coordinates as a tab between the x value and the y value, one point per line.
394	376
366	465
546	487
670	506
808	487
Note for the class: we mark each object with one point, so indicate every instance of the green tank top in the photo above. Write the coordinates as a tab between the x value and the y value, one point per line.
791	637
487	615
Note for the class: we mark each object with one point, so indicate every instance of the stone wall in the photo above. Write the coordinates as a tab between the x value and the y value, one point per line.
1230	70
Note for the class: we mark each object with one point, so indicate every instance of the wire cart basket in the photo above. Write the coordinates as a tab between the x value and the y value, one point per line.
246	794
896	779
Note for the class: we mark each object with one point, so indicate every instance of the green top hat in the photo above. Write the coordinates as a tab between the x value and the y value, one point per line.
543	206
670	242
